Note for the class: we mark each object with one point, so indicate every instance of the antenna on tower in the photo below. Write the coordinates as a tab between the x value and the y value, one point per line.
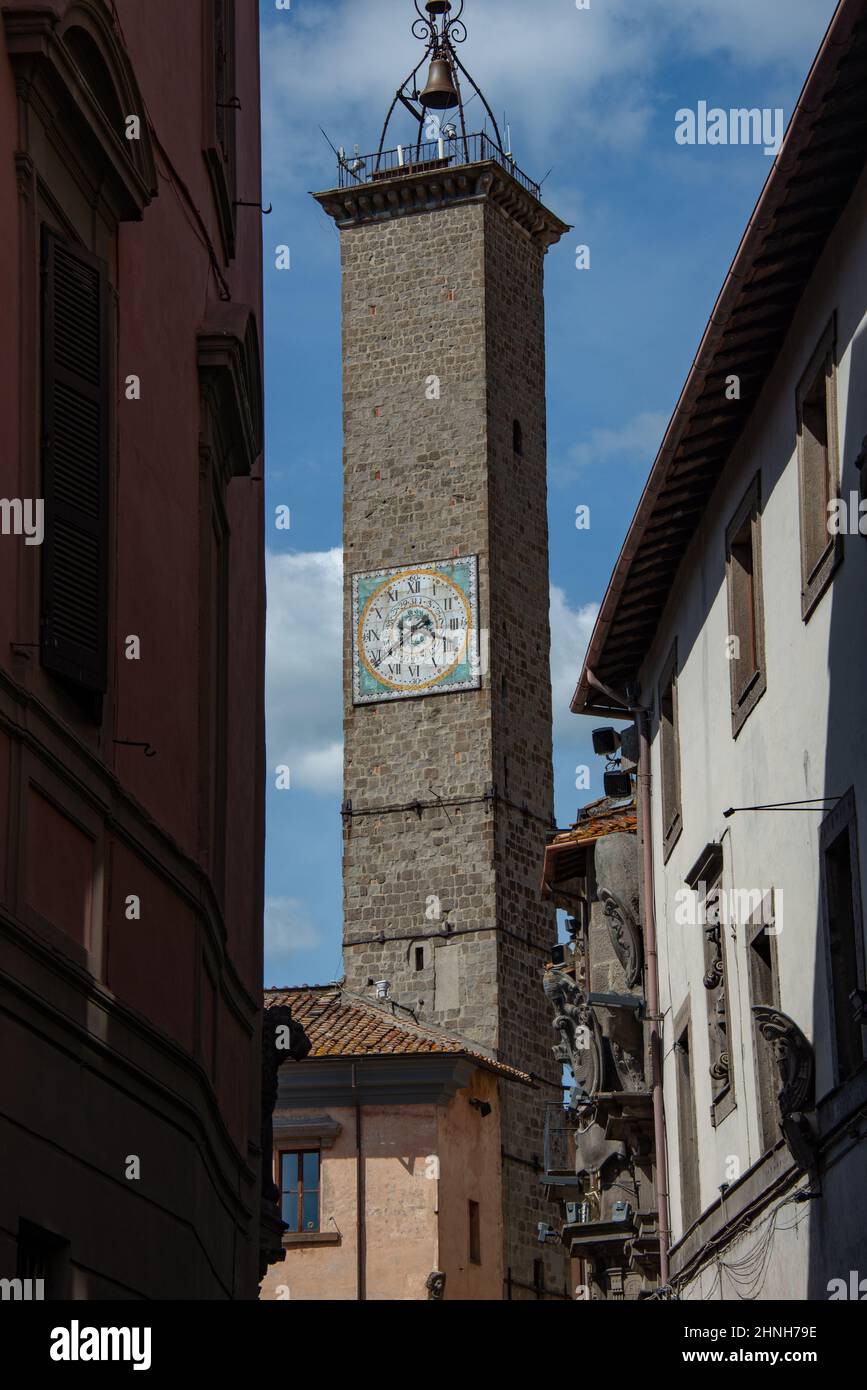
352	166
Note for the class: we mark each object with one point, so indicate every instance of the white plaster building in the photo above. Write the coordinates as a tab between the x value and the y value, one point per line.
737	622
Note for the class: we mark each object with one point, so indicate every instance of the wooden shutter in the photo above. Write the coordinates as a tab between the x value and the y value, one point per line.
75	379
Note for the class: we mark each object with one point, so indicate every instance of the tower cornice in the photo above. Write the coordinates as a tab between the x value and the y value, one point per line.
405	193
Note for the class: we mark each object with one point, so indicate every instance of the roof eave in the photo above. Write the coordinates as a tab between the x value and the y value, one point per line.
848	14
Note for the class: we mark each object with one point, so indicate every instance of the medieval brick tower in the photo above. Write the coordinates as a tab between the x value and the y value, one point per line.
447	699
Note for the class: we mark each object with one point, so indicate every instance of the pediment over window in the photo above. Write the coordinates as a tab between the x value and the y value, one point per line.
305	1129
231	376
72	68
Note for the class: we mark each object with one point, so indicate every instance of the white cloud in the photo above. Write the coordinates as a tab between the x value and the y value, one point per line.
288	929
570	634
304	673
635	441
304	667
581	76
774	31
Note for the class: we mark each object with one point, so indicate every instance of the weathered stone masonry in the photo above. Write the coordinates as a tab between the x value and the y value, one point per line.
453	289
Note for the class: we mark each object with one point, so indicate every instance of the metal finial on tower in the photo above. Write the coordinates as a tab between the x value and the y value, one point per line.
440	29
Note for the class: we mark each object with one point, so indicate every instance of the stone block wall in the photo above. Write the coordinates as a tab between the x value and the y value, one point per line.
441	899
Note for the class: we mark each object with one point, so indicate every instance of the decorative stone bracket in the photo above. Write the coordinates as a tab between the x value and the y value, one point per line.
796	1060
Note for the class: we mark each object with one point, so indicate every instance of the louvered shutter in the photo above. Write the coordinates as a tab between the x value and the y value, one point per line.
75	378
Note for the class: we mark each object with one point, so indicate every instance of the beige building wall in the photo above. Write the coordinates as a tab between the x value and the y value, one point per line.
422	1165
471	1170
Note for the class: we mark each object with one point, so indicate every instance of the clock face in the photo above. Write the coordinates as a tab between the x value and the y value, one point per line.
415	631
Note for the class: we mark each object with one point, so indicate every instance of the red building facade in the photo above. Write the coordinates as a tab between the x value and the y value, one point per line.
131	647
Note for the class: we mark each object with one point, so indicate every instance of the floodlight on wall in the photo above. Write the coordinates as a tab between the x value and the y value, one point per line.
382	987
617	784
482	1106
606	742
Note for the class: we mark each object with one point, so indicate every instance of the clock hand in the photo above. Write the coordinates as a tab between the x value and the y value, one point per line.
392	649
425	622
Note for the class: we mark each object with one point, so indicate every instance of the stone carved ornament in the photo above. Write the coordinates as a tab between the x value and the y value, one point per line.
580	1043
625	936
616	867
796	1060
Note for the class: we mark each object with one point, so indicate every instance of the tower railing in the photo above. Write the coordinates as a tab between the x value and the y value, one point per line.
446	152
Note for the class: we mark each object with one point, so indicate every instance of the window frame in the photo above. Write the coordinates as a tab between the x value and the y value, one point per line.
816	579
746	693
87	680
299	1153
687	1122
474	1232
708	872
672	817
764	1065
221	159
842	820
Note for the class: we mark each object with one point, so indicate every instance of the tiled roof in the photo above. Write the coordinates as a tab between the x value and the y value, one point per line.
340	1024
566	854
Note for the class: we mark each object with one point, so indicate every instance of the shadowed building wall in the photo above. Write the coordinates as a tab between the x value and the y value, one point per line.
130	899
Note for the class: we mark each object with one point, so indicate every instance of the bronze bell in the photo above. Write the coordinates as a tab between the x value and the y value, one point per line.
438	6
440	92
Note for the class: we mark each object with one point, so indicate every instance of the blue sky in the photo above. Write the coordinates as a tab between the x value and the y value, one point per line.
590	95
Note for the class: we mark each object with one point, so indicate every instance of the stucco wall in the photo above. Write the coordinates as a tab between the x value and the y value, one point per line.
422	1164
804	739
126	1045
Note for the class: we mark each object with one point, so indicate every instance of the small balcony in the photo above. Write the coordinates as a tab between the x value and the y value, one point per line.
426	157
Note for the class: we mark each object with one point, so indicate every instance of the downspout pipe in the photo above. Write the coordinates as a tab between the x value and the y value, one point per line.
642	721
641	716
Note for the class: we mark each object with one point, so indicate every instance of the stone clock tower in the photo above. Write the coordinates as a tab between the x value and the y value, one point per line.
447	696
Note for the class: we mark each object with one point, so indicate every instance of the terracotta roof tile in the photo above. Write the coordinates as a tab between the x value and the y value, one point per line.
340	1024
565	855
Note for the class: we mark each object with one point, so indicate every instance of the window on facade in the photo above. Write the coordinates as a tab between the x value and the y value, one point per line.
818	470
300	1182
42	1255
517	438
669	756
75	401
705	879
764	989
419	958
845	947
746	641
690	1195
475	1233
220	139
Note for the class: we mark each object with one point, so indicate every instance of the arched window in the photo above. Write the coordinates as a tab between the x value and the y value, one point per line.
517	438
91	65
